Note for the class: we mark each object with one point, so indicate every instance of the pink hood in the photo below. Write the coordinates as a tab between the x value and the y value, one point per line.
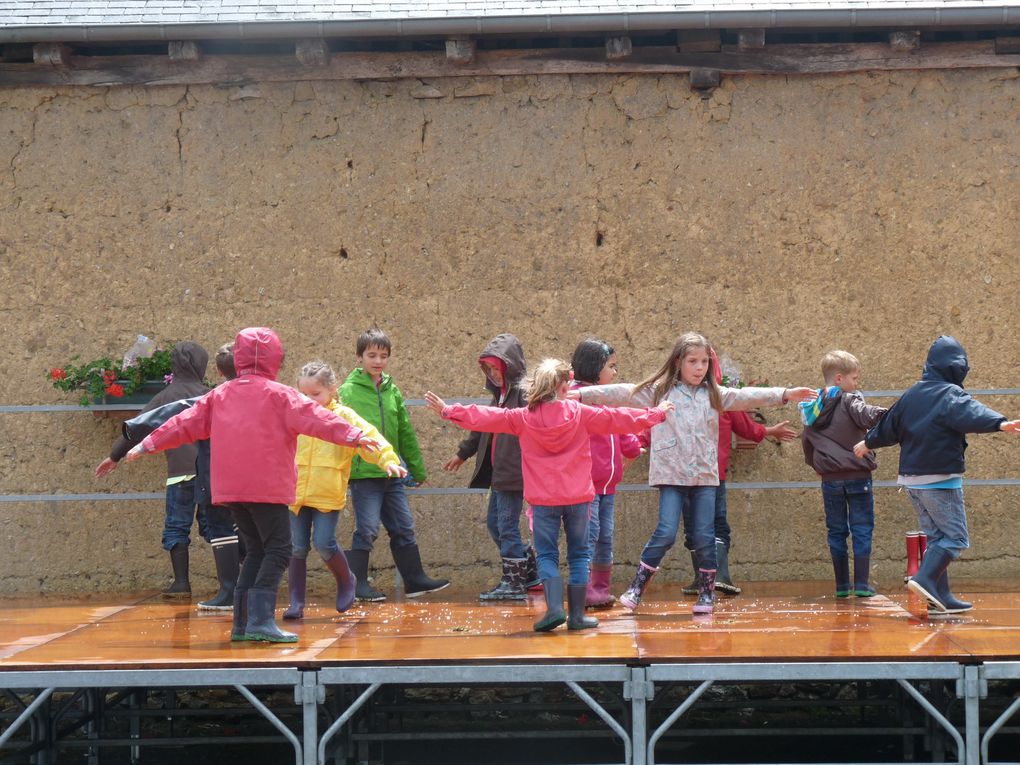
258	351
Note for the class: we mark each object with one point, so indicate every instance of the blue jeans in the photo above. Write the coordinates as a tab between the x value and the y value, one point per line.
943	518
600	529
310	526
722	524
504	522
849	510
381	500
547	537
696	505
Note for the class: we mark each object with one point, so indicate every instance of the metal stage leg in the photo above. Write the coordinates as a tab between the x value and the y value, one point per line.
357	704
973	690
309	695
277	723
639	691
937	716
994	728
606	718
25	715
677	714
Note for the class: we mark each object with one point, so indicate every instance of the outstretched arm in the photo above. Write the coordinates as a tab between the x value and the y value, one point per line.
488	419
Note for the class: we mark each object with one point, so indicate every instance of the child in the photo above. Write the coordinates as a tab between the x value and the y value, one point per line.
556	461
729	423
498	468
255	422
929	422
188	362
376	496
323	471
684	461
834	423
594	363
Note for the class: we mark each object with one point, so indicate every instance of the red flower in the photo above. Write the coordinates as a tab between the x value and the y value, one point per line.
117	391
58	374
108	376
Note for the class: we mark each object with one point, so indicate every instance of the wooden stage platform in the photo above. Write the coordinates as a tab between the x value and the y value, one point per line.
774	632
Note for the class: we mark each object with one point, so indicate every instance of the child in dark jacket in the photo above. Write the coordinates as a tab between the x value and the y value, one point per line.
834	423
929	422
498	467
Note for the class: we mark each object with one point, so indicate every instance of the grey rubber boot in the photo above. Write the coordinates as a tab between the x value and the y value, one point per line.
240	615
575	607
554	615
180	587
358	561
227	567
262	625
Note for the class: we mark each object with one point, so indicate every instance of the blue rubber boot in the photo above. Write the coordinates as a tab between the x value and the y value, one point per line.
262	619
841	570
953	604
925	581
862	577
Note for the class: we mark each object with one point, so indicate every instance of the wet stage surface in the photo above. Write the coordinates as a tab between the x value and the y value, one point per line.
770	621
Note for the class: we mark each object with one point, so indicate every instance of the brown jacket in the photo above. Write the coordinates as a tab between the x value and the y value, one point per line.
829	441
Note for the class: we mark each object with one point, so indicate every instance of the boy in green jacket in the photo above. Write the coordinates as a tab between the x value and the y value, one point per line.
376	498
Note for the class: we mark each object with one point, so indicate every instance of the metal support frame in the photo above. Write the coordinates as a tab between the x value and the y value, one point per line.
901	672
1005	670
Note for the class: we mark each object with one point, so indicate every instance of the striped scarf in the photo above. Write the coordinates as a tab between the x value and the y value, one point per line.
809	410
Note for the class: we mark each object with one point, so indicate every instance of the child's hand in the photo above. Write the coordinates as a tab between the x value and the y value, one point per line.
368	444
860	449
797	395
435	403
453	465
396	471
666	406
106	467
133	454
781	431
1010	427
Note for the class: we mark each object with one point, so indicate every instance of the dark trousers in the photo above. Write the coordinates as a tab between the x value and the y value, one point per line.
265	532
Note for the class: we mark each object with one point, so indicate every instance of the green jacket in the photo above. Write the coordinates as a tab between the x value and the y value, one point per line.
384	408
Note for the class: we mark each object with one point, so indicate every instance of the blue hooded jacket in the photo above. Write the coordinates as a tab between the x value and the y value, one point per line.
931	417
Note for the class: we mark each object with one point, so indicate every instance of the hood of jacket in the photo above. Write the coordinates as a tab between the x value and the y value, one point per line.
554	424
508	349
947	361
258	351
189	362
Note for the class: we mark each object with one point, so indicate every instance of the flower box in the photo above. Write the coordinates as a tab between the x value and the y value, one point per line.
141	395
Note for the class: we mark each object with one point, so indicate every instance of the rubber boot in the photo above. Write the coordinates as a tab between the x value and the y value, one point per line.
554	616
240	615
511	583
180	587
262	619
632	597
416	581
925	581
913	554
597	594
346	582
862	577
575	607
841	570
358	561
531	581
953	604
705	604
692	588
723	583
227	568
297	573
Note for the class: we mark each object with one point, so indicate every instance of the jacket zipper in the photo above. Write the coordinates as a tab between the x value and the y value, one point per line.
612	464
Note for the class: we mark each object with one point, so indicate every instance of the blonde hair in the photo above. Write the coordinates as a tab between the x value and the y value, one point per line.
546	380
668	374
319	371
838	362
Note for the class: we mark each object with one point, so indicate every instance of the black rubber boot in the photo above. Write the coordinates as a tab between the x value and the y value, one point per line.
554	615
862	577
240	615
262	619
531	580
841	570
227	568
511	583
723	583
575	606
925	582
297	575
358	561
631	598
692	588
416	581
952	603
346	582
180	587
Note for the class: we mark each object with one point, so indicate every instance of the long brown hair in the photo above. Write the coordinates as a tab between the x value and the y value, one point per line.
668	374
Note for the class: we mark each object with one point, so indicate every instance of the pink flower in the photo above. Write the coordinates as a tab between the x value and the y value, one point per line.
167	379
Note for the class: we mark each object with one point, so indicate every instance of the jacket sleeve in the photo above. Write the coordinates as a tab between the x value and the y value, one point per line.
630	445
306	416
469	446
619	394
965	414
407	439
863	415
620	419
750	397
384	457
745	427
487	419
187	427
886	432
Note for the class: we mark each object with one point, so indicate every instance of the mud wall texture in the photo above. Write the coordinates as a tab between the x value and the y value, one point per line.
782	217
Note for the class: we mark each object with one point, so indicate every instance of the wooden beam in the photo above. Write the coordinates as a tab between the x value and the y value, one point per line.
460	50
51	54
312	52
705	79
619	48
904	40
698	41
751	39
183	50
774	59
